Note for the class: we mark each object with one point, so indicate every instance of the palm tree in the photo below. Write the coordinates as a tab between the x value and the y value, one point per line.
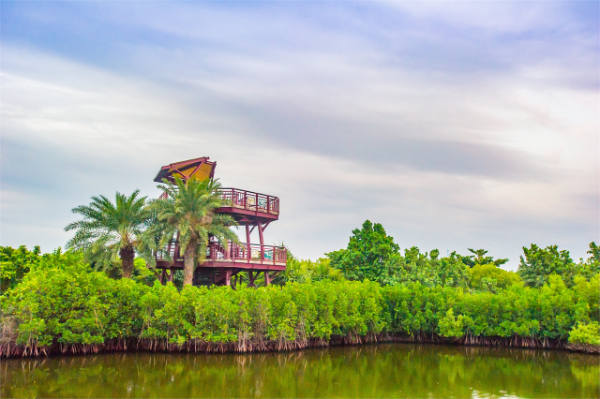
187	212
112	229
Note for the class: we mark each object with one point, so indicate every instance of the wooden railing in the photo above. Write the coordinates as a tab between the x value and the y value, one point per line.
255	253
215	252
171	252
250	200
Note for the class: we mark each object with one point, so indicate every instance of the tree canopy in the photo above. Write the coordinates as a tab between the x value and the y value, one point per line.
110	230
188	215
369	254
479	258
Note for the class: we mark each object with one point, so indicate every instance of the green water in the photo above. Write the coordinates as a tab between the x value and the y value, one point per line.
384	370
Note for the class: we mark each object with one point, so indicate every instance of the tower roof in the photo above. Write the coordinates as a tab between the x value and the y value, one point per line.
197	168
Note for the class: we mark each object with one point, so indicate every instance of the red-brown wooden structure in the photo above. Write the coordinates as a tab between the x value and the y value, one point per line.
253	211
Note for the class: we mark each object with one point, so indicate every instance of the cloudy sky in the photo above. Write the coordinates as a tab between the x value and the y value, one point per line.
454	124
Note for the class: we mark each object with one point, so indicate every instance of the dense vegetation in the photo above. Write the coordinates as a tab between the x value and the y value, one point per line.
100	295
111	234
62	304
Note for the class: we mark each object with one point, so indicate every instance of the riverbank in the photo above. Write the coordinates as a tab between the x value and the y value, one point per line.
69	309
196	346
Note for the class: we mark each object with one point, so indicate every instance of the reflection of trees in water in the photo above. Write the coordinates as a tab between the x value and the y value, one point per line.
382	370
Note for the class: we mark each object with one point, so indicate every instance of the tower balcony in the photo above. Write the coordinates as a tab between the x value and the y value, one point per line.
248	203
238	256
244	203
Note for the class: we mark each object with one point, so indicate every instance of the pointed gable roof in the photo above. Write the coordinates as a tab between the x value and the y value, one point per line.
197	168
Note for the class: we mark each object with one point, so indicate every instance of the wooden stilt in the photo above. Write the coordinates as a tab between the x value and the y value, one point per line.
248	250
171	273
228	277
163	275
262	241
267	278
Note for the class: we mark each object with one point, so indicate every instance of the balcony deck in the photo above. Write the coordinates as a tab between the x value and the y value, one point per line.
249	203
243	203
237	256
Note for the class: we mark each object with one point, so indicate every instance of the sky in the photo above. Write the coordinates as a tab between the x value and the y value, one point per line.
455	125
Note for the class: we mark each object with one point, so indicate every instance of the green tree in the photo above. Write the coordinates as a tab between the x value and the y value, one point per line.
111	230
539	263
370	254
305	271
591	266
479	258
428	269
451	326
15	263
188	214
594	252
586	334
487	277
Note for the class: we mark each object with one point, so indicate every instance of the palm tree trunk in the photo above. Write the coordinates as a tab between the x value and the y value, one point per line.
189	264
127	255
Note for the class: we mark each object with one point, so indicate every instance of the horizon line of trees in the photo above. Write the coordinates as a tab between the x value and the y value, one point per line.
104	290
370	254
63	305
116	233
121	239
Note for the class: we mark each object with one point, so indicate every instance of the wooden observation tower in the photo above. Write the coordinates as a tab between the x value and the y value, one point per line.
253	211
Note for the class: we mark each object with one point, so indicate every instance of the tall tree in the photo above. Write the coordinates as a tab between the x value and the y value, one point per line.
594	252
539	263
479	258
113	229
370	254
15	264
188	212
591	266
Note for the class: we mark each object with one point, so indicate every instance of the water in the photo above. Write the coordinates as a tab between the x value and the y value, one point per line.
370	371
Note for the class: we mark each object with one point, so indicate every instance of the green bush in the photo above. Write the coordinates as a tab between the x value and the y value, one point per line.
62	300
585	334
489	277
15	264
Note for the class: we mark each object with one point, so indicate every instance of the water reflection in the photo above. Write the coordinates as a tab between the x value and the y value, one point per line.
384	370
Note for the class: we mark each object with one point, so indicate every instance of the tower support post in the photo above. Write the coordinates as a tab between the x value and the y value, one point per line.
262	241
228	277
248	250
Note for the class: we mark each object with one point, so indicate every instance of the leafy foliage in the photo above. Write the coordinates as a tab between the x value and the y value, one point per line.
428	269
62	301
538	264
187	214
15	263
305	270
59	299
373	255
587	334
489	277
369	255
109	231
451	326
479	258
590	266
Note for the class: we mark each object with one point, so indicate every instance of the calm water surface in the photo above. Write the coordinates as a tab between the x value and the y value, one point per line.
373	371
